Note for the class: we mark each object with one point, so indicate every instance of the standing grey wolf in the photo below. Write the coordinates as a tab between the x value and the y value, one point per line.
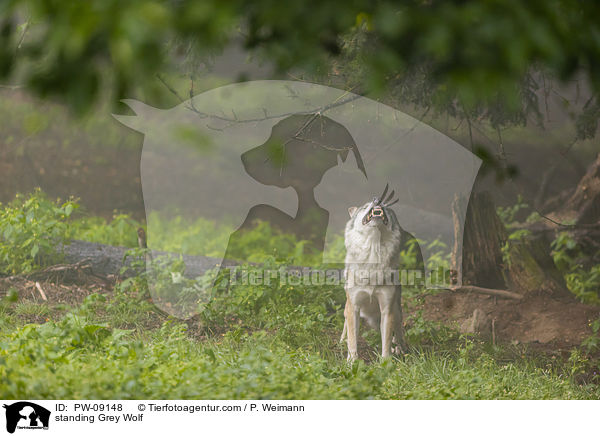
374	239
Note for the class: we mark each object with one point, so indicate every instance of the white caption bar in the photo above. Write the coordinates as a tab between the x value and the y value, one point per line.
24	417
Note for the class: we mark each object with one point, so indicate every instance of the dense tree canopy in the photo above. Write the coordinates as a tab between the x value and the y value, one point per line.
471	52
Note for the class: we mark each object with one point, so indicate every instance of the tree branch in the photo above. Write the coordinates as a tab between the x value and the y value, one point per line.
502	293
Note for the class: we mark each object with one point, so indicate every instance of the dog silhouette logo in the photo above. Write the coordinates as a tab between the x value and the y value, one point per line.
26	415
291	156
297	154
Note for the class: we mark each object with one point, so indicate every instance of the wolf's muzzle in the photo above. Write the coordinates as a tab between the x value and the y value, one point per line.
376	212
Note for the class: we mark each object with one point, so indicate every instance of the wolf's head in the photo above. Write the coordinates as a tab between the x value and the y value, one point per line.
373	234
375	214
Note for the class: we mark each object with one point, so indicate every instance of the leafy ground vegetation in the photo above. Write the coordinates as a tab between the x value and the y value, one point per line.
92	338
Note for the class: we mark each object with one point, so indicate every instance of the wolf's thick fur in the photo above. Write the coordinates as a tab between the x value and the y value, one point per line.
373	248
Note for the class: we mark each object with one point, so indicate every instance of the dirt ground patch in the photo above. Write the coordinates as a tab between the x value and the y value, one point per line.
53	291
540	319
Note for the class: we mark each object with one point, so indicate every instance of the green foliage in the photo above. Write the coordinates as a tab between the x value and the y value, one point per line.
585	283
408	255
299	314
78	358
169	365
439	254
12	295
569	259
592	343
565	251
469	58
35	221
181	235
439	56
420	331
172	289
263	240
120	231
508	214
513	237
258	340
437	267
207	237
31	228
252	339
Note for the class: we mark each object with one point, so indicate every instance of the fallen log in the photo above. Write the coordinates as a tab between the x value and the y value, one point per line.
107	260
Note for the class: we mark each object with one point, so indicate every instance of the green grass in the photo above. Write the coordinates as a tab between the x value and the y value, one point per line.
74	358
275	344
27	309
267	341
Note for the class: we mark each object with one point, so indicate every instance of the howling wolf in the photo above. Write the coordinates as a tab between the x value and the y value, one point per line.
374	239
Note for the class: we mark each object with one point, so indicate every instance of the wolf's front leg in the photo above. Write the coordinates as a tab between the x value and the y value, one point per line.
386	327
352	315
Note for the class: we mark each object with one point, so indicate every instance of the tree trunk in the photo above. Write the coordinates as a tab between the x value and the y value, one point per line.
576	211
583	206
484	236
529	268
491	259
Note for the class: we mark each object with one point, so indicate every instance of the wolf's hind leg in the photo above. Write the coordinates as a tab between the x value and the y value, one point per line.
401	347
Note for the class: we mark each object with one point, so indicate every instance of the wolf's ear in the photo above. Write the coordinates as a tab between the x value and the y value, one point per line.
351	210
